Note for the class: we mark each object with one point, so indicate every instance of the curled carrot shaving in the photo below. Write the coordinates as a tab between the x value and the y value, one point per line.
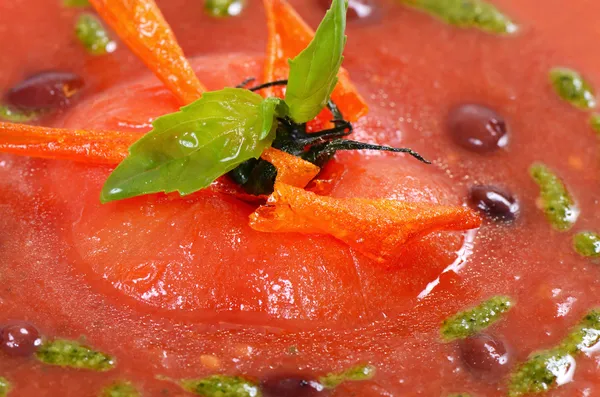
288	36
377	228
92	147
99	147
291	170
141	25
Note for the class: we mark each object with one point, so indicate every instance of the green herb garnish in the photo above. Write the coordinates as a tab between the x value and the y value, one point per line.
476	14
587	244
226	131
120	389
65	353
573	88
221	386
76	3
459	395
356	373
313	73
16	116
93	35
186	151
474	320
555	200
224	8
4	387
547	369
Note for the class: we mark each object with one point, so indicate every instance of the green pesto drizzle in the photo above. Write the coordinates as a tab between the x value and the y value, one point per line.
478	14
356	373
459	395
4	387
65	353
556	202
224	8
474	320
221	386
595	123
587	244
76	3
91	33
539	373
120	389
572	87
16	116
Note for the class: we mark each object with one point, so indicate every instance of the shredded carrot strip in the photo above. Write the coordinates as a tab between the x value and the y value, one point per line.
100	147
291	170
93	147
377	228
141	25
288	36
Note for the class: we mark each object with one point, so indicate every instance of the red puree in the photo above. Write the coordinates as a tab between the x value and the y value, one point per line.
164	283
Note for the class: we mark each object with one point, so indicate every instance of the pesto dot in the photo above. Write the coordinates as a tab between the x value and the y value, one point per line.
76	3
587	244
4	387
64	353
17	116
538	374
475	320
356	373
584	336
221	386
546	369
477	14
555	200
573	88
120	389
224	8
595	123
93	35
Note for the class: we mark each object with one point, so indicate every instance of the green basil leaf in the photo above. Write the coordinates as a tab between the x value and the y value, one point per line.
313	73
187	150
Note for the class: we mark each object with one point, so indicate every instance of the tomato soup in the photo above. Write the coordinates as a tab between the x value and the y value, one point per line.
162	295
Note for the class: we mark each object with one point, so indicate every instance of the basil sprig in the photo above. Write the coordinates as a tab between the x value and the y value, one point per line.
313	73
187	150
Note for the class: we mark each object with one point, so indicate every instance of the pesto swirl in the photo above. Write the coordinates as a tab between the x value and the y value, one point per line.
555	200
356	373
476	319
572	88
221	386
546	369
65	353
5	387
477	14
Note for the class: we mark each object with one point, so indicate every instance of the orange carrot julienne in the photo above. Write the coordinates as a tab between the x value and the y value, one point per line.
377	228
99	147
141	25
92	147
288	36
291	170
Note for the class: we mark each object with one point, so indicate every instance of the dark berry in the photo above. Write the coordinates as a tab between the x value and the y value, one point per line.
19	339
290	386
477	128
494	202
484	354
45	91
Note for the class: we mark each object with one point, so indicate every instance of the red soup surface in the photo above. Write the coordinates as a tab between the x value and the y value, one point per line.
182	288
